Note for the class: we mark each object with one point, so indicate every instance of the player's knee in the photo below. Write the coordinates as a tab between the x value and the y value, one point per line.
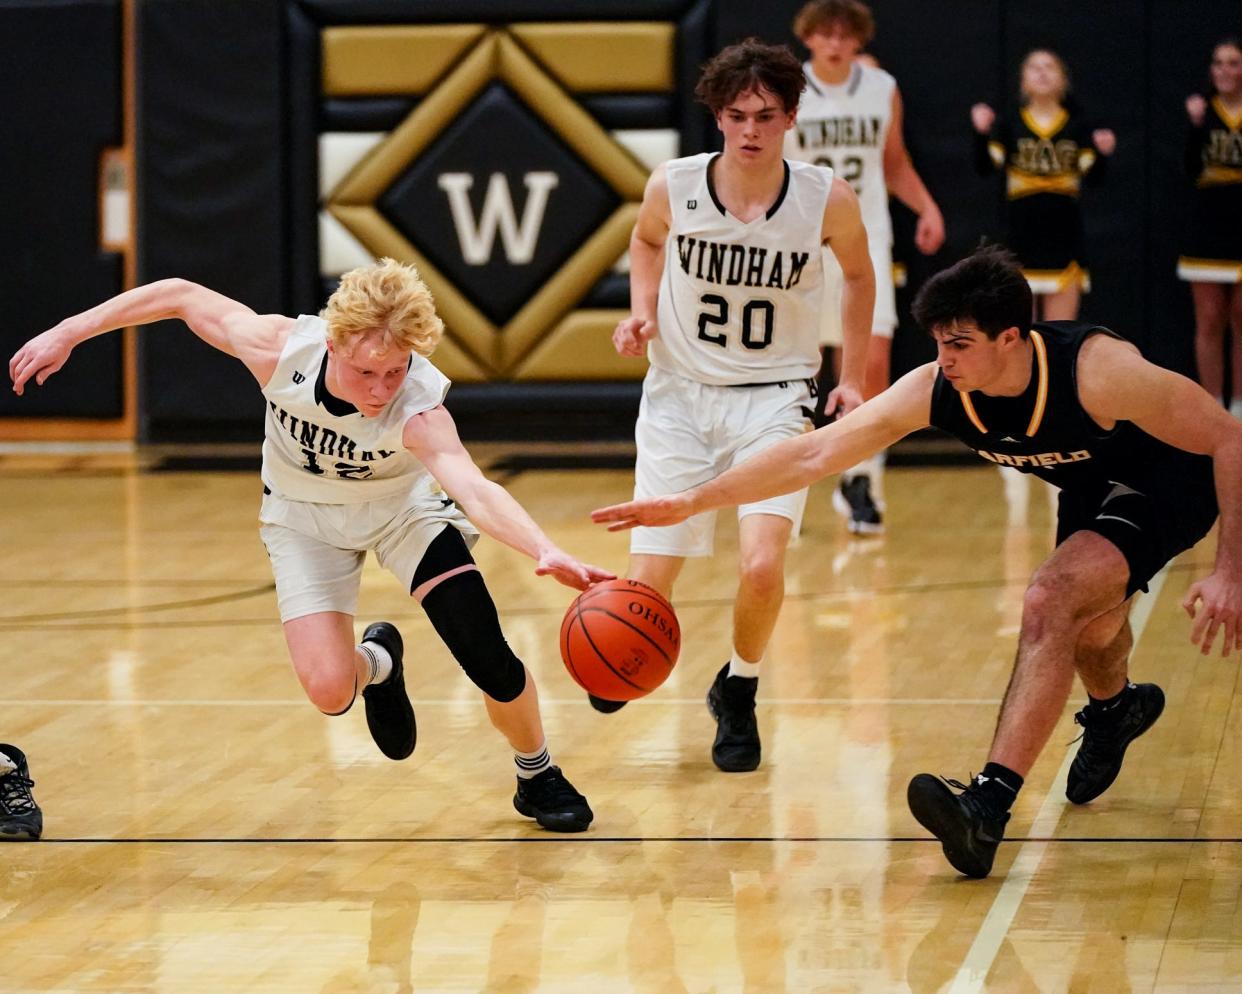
762	573
1043	606
463	614
331	692
502	680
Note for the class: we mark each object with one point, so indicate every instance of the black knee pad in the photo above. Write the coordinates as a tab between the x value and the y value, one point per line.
463	614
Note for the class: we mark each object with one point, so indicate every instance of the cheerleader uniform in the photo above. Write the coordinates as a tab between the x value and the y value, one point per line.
1044	168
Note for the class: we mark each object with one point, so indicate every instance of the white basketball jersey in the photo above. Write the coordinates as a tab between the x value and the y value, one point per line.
845	127
319	448
739	303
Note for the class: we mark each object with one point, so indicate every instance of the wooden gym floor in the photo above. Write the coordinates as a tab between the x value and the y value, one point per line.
207	830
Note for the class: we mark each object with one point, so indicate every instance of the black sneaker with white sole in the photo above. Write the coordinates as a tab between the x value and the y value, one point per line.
1106	736
854	502
553	802
390	716
969	829
20	817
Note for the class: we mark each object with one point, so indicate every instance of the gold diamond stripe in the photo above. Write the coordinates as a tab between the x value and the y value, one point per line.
604	57
570	121
392	60
580	348
569	284
371	177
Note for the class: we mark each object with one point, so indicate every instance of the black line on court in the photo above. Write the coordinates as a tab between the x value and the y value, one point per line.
108	612
579	840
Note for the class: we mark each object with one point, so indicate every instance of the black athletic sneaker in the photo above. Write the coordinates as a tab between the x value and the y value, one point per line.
1105	738
20	817
968	828
854	502
390	716
553	802
604	706
731	700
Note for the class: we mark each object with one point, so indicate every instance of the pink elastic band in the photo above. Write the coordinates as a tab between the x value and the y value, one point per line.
423	589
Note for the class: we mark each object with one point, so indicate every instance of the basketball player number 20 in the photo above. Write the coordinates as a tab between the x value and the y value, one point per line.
757	319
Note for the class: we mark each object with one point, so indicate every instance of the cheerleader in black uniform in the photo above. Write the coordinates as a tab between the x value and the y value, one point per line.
1046	150
1212	256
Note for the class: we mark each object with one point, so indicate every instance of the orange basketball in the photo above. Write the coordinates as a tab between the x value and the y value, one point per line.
620	640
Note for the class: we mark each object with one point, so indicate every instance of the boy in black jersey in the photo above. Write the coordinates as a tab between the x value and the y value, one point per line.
1142	457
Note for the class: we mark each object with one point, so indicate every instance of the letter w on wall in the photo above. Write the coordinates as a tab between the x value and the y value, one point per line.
478	239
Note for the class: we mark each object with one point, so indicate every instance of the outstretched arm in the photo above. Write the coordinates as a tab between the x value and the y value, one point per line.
221	322
796	462
432	438
1115	383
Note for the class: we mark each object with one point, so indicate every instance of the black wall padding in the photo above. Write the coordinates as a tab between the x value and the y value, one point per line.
211	163
365	113
301	100
698	130
60	80
432	11
632	110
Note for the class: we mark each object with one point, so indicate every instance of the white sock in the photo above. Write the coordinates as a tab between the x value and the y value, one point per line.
531	764
379	663
739	667
6	765
1235	408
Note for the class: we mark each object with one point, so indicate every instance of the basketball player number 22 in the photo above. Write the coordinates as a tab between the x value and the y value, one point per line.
757	318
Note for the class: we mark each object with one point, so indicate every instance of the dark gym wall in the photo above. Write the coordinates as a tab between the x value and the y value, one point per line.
211	198
213	154
61	109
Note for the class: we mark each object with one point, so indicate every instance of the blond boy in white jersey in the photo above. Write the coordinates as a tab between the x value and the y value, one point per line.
725	286
851	119
357	444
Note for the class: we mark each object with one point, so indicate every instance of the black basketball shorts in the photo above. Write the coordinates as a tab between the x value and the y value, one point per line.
1148	530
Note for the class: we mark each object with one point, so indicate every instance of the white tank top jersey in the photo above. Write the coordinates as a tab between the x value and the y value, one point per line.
321	449
845	127
739	303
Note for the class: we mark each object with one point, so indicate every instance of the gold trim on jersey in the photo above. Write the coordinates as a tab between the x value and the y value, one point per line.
1056	280
1019	183
997	151
1219	176
1232	122
1057	124
1041	392
1209	270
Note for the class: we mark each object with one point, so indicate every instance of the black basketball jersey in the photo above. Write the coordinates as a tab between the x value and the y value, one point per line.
1045	431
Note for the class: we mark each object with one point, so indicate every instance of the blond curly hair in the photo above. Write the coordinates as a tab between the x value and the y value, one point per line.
388	302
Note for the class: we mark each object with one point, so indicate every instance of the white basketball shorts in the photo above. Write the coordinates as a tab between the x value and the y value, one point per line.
689	432
317	550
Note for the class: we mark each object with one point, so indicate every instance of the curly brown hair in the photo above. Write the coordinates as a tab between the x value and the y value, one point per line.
751	65
817	14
